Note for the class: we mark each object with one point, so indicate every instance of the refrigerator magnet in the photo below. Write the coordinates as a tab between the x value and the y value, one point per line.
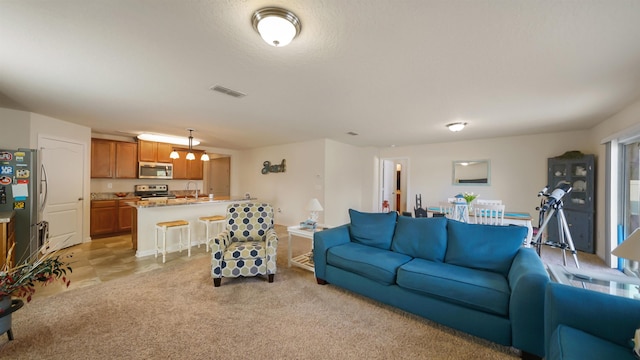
6	156
22	173
6	170
19	156
18	205
5	180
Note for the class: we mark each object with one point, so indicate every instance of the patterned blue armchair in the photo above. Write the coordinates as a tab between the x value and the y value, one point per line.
247	247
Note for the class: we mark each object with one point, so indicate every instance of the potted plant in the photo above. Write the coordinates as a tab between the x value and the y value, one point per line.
20	281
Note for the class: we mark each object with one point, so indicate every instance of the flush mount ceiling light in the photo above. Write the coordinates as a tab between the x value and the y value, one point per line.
167	139
276	26
456	126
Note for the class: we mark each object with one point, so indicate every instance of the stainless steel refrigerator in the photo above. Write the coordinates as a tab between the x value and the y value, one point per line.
23	190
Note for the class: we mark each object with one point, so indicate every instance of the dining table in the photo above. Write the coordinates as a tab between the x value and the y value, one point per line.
510	218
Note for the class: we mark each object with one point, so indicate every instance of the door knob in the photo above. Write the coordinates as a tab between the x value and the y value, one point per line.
80	199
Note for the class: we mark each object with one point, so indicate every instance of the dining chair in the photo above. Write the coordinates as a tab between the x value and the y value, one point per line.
488	202
488	214
447	208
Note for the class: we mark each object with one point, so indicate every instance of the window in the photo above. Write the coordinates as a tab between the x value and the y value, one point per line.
630	195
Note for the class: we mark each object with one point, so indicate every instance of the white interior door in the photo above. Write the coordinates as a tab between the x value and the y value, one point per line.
388	183
64	164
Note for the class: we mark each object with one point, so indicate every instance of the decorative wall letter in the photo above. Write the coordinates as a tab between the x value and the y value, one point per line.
267	167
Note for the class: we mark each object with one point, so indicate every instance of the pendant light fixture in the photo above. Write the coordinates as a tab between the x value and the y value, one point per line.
190	155
276	26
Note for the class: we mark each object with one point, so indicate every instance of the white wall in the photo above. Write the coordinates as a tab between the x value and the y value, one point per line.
518	167
345	169
14	129
291	190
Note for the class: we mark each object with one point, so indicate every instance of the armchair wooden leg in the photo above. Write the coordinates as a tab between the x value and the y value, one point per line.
216	282
321	281
271	277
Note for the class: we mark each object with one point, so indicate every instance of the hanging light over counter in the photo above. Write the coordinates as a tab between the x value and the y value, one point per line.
190	155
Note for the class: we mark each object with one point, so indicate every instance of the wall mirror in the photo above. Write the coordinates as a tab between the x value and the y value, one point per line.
471	172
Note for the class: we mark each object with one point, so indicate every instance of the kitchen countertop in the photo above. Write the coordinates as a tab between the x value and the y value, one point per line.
5	216
140	204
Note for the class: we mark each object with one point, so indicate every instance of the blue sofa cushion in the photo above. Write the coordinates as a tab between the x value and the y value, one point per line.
370	262
484	247
373	229
483	290
568	343
424	238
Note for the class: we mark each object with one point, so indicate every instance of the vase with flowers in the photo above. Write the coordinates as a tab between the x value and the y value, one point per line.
469	197
20	281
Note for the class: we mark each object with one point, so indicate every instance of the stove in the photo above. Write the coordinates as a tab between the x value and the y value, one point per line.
157	192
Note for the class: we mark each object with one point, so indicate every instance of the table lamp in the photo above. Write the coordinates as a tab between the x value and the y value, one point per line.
630	247
314	207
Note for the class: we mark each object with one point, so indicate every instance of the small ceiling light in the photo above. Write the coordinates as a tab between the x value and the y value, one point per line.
276	26
456	126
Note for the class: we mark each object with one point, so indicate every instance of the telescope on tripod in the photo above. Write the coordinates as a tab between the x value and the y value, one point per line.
550	206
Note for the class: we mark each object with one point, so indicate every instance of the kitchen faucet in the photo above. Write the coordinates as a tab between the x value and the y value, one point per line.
196	185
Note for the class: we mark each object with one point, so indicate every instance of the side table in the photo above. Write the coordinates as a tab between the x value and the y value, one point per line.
619	285
305	260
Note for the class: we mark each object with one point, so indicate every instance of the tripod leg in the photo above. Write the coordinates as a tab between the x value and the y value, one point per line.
565	228
561	242
537	242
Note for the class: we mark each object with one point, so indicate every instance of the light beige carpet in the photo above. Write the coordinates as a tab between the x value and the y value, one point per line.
176	313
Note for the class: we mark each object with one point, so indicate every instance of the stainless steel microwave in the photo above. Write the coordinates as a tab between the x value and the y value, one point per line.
150	170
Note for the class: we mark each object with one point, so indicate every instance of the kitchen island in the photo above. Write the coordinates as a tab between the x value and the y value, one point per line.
146	214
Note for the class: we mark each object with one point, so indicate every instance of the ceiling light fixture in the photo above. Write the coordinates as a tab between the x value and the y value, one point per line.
456	126
276	26
167	139
190	155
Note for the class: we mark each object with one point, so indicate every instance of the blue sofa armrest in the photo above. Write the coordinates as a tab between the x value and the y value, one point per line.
609	317
322	241
528	280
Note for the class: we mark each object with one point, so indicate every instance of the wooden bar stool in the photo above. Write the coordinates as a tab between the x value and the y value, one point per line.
164	227
217	220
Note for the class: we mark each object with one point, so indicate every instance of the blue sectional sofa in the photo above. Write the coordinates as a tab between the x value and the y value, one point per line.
474	278
584	324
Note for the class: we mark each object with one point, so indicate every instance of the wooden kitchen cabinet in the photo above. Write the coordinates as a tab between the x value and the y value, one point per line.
126	160
124	216
103	158
104	217
113	159
151	151
7	240
110	217
184	169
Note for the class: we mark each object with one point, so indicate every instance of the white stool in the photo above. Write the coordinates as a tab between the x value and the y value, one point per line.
164	227
217	220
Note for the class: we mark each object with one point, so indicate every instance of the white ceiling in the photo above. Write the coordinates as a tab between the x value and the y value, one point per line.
395	72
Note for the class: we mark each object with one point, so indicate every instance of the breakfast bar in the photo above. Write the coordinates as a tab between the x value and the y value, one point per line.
146	214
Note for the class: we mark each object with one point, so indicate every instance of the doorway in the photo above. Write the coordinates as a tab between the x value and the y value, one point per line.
393	184
63	161
218	179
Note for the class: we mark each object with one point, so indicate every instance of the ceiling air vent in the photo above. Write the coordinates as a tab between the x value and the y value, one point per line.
352	133
224	90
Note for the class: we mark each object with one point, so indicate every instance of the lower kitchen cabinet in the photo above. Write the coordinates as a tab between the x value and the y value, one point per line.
110	217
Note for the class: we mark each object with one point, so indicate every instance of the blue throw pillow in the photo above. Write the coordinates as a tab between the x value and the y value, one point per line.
373	229
424	238
484	247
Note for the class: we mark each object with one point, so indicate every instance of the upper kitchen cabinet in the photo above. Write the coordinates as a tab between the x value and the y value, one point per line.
113	159
152	151
184	169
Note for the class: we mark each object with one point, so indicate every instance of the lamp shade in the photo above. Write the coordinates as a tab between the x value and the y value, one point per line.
314	205
457	126
630	247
